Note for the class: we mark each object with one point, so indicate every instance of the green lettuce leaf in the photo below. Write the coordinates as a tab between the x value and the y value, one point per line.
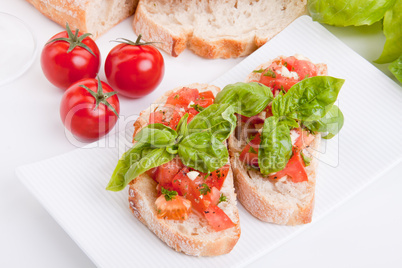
248	99
348	12
396	68
392	27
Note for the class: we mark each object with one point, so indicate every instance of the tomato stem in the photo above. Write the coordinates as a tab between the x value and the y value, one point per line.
101	97
74	40
136	43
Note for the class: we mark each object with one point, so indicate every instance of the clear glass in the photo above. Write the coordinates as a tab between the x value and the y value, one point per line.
18	48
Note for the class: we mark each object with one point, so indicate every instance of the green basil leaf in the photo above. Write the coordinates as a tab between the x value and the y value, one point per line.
218	119
203	152
306	159
182	128
290	122
310	99
275	147
140	158
392	28
158	135
332	123
348	12
248	99
396	68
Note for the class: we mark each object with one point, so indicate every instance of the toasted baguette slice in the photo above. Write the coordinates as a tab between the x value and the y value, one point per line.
90	16
282	201
192	236
215	28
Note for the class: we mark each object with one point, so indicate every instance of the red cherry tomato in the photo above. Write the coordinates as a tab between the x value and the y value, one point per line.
134	69
89	115
63	67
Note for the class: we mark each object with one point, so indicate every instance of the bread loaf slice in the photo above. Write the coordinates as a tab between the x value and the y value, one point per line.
90	16
214	28
277	201
192	236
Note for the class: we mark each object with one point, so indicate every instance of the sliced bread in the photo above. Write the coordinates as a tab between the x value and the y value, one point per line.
214	28
277	201
192	236
90	16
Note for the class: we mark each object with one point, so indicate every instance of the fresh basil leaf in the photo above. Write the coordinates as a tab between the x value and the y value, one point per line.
348	12
310	99
182	128
275	147
396	68
158	135
392	28
290	122
203	152
248	99
140	158
332	123
218	119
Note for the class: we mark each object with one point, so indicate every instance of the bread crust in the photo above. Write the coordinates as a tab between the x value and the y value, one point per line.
76	13
143	193
267	207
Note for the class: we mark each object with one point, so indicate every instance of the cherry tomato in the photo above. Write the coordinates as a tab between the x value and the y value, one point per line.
134	69
89	109
67	58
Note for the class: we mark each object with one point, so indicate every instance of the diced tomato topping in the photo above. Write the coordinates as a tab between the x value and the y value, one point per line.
165	173
168	116
207	95
177	208
215	178
303	68
218	219
277	81
183	97
294	169
249	155
305	139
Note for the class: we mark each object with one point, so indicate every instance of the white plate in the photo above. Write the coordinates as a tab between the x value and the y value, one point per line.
72	186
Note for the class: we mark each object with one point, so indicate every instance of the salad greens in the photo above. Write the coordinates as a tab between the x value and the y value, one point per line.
396	68
348	12
392	27
198	144
366	12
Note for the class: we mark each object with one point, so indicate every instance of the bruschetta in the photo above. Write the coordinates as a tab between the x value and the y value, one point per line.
274	150
178	173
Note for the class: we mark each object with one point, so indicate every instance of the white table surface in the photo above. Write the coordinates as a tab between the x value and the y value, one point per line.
364	232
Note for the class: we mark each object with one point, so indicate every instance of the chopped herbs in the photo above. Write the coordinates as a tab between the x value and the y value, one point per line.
197	107
222	198
176	97
258	71
169	195
205	189
270	73
251	150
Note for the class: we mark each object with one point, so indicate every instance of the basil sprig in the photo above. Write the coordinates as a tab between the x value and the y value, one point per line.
198	144
308	103
247	99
